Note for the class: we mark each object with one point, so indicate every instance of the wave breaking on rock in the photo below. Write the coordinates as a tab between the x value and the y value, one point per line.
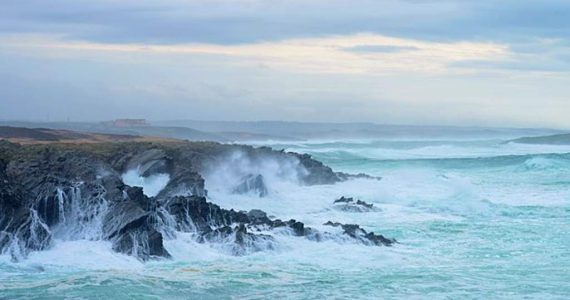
137	195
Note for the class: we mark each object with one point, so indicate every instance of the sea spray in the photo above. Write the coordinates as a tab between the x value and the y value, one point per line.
227	173
152	185
494	226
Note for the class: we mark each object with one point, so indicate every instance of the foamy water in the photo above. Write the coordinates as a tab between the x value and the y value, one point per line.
152	185
475	219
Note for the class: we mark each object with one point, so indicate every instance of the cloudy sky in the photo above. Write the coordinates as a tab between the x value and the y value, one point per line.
462	62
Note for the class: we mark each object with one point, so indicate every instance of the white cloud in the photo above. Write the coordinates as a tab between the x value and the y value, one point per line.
307	55
316	79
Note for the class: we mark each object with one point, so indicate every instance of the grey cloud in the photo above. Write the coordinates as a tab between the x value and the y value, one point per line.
230	22
101	85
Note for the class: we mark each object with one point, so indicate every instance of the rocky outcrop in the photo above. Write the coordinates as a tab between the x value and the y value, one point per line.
238	232
251	184
149	162
72	192
355	232
132	226
348	204
42	187
345	176
21	229
246	232
317	172
153	160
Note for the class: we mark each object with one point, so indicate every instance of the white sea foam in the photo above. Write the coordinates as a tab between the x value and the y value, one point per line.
152	185
431	150
450	222
83	254
227	173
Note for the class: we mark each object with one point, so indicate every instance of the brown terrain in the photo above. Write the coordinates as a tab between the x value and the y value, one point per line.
26	136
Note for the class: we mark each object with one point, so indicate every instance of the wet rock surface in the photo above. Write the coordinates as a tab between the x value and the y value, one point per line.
349	204
356	232
251	184
317	172
72	192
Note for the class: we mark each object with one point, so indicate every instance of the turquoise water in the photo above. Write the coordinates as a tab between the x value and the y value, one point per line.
476	219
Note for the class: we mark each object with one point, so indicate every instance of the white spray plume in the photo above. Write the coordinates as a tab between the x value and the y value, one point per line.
151	185
228	172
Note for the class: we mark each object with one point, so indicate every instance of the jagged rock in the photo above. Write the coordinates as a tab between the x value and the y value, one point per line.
345	176
348	204
356	232
130	224
149	162
21	229
251	184
238	240
317	172
142	241
76	192
23	232
258	216
183	183
216	225
123	213
298	228
194	213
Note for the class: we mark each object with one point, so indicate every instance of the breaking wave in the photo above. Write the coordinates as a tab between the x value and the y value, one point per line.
151	185
461	210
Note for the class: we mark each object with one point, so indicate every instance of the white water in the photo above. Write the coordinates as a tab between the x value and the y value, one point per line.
472	221
228	173
152	185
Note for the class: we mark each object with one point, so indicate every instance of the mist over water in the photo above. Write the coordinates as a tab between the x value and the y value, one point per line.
474	218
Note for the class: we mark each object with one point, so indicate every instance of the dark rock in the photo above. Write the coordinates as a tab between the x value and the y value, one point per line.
131	225
150	162
350	205
257	216
357	233
76	192
345	176
298	227
21	229
193	213
251	184
122	216
23	232
216	225
238	241
141	241
183	182
317	172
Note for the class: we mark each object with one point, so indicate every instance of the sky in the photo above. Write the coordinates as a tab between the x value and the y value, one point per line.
438	62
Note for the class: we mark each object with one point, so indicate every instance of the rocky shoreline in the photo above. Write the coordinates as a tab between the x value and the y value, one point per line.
77	191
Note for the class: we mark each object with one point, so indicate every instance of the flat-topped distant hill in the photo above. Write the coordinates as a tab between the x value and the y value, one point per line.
230	131
168	132
362	130
23	135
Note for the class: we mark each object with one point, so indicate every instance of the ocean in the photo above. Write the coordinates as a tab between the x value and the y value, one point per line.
474	219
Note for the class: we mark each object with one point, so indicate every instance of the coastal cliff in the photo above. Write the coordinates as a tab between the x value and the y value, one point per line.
77	191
